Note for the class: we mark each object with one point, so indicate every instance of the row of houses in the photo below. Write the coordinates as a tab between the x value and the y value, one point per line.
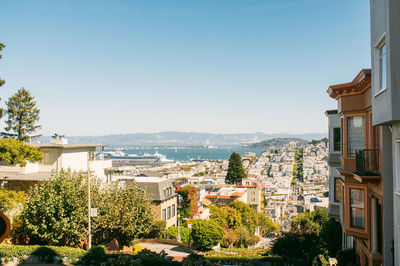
364	138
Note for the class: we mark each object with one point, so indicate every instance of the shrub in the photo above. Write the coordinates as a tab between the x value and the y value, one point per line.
230	239
156	229
172	233
206	234
298	245
44	253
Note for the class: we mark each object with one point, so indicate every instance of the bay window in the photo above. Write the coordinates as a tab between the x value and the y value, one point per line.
357	208
355	134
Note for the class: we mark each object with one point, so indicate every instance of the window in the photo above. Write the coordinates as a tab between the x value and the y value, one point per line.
355	134
357	207
337	190
169	212
336	139
46	158
165	193
173	210
163	216
341	126
382	67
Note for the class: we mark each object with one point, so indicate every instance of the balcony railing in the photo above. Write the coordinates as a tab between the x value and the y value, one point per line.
367	162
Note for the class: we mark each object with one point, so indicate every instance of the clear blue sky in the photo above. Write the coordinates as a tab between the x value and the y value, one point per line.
224	66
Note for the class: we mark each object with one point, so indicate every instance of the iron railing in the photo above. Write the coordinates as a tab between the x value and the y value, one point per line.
367	161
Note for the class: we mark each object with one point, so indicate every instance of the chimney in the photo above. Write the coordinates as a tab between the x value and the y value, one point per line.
58	139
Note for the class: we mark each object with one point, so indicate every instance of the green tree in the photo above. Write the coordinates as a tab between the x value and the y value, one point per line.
293	182
11	202
266	224
124	213
206	234
235	169
226	217
16	152
56	211
300	246
22	116
249	217
172	233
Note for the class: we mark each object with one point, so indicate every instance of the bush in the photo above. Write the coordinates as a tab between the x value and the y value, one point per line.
298	245
206	234
230	239
156	229
48	254
172	233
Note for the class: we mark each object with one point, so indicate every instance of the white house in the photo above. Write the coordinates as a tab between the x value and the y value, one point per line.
57	154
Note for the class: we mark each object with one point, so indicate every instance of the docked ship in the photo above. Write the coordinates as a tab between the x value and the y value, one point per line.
119	159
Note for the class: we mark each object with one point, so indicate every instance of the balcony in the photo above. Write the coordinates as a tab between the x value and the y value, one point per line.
367	166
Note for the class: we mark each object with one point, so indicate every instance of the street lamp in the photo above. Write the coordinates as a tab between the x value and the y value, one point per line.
178	237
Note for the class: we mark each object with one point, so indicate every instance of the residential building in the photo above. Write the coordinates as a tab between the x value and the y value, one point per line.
361	194
164	198
57	155
334	136
385	97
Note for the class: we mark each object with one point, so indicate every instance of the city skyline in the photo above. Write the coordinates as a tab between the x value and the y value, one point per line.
97	68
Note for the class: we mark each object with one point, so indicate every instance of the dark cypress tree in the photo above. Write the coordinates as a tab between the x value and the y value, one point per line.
235	169
22	116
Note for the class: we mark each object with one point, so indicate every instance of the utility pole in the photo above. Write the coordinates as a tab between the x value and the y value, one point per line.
89	229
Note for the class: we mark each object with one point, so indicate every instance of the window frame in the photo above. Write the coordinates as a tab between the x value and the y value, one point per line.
345	132
377	89
334	138
337	184
364	208
163	215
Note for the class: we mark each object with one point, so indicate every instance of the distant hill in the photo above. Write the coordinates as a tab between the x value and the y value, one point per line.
172	138
278	143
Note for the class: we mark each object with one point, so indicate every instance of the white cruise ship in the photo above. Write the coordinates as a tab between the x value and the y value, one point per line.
120	158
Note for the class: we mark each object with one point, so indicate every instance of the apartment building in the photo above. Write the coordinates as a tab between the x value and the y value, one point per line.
385	61
334	136
164	198
361	194
57	154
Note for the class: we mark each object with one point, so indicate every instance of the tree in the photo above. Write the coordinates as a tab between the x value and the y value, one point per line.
206	234
11	202
249	217
303	246
266	224
124	213
226	217
188	206
235	169
16	152
56	211
172	233
22	116
1	80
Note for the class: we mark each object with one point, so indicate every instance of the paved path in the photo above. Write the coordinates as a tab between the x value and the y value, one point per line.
172	250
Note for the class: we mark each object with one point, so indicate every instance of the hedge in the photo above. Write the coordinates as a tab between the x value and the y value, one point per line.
95	256
233	260
48	254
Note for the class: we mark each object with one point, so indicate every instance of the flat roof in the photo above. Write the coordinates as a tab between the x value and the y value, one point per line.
148	179
39	176
67	146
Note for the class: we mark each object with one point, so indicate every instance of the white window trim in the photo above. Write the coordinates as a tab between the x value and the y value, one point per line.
381	41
